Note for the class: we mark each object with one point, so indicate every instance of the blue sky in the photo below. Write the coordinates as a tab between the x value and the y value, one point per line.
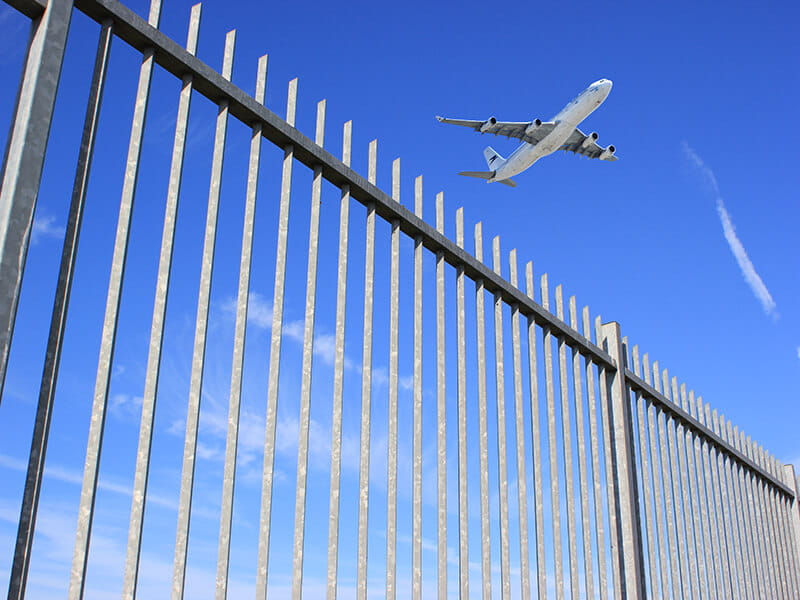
689	240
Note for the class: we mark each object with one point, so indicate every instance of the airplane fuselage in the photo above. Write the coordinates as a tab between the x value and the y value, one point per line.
566	121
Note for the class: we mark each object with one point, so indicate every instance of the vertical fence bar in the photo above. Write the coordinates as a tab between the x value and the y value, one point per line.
536	446
600	538
483	427
441	410
200	337
735	512
642	407
708	578
555	497
394	325
35	473
745	499
694	511
666	484
720	550
755	503
338	374
502	452
103	380
275	354
715	553
583	476
519	432
157	333
366	382
611	477
674	476
461	351
691	580
240	328
304	419
653	448
767	528
20	176
566	441
779	522
629	522
416	582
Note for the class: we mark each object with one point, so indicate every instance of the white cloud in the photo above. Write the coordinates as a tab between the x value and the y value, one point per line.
745	264
44	226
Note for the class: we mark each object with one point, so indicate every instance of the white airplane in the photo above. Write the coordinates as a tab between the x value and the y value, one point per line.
540	138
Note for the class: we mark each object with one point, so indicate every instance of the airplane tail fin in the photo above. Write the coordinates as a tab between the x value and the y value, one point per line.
493	159
488	175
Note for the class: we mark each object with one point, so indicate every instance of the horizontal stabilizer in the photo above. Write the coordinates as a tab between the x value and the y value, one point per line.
488	175
478	174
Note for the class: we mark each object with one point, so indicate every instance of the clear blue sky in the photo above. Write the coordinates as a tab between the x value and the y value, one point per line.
701	91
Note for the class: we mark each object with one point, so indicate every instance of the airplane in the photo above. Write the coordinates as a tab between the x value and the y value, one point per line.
540	138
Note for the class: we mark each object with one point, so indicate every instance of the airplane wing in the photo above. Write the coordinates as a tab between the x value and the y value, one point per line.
586	145
531	131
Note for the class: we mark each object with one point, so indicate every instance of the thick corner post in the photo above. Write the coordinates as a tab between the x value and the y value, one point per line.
629	533
24	159
793	482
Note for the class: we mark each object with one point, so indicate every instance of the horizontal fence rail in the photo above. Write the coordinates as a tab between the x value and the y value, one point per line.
400	419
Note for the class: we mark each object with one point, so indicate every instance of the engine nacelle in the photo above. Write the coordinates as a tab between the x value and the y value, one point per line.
487	124
590	139
533	126
608	153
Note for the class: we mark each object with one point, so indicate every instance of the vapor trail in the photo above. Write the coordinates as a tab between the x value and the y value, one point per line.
745	264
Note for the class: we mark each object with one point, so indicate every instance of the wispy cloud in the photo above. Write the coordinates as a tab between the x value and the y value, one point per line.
45	226
749	272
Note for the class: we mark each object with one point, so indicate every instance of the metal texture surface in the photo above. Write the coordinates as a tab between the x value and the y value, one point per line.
338	376
519	434
566	447
275	353
502	451
24	159
441	415
366	382
483	425
394	354
416	458
304	419
240	329
461	356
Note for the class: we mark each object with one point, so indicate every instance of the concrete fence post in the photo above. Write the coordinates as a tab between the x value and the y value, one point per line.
628	536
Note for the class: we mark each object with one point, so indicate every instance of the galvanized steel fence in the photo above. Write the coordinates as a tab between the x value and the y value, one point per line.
561	462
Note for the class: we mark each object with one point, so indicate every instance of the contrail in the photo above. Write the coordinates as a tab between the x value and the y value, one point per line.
745	264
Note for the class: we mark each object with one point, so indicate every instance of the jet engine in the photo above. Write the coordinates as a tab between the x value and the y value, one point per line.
608	153
589	140
533	126
487	124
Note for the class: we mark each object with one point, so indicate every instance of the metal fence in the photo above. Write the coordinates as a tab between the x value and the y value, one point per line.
552	462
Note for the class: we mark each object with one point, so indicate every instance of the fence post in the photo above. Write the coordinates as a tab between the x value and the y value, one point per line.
24	159
629	532
793	482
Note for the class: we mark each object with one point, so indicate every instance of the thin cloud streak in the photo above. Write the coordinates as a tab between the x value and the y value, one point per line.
749	272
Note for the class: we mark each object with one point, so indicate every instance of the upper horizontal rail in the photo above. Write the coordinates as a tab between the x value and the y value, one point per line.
134	30
30	8
638	384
